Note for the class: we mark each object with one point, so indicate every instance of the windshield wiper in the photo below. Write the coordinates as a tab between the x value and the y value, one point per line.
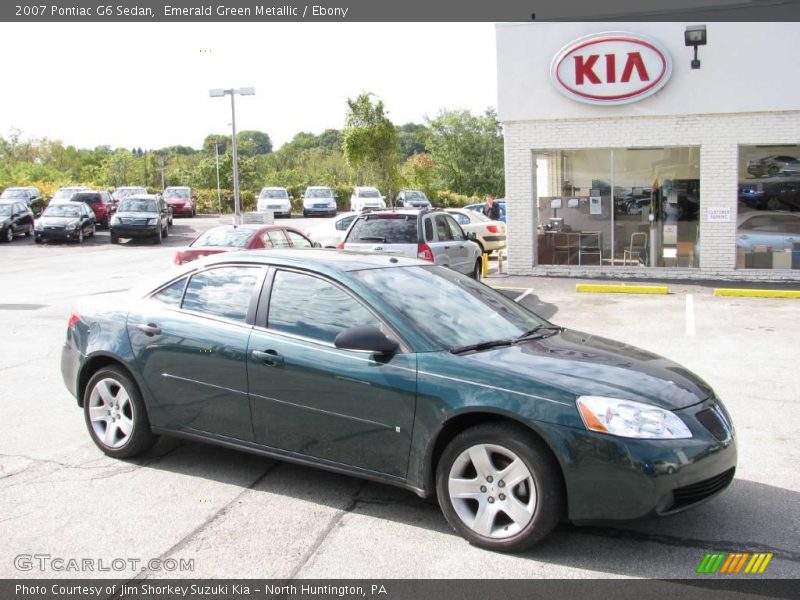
480	346
539	331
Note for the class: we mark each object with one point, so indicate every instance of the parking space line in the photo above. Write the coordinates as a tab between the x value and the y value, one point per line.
690	330
523	294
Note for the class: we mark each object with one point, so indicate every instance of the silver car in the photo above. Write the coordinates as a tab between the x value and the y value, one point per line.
429	234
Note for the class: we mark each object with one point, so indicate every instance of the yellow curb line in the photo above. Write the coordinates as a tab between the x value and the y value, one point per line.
757	293
621	289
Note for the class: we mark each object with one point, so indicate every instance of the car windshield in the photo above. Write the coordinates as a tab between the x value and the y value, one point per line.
417	196
64	193
138	206
15	194
369	194
274	194
5	209
176	193
61	210
124	192
319	193
390	229
227	237
89	198
451	309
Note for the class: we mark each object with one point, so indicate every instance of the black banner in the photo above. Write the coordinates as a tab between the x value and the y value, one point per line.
397	11
714	588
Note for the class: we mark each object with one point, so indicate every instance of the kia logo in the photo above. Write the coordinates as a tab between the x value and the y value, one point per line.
611	68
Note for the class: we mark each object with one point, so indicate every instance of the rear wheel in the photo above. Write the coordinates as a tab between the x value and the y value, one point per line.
476	271
115	414
499	487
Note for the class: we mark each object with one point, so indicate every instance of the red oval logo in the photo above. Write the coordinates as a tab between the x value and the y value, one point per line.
611	68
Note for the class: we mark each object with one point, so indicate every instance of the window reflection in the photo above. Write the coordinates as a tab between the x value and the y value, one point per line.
223	292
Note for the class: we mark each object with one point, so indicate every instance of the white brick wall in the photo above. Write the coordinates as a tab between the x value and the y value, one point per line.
718	137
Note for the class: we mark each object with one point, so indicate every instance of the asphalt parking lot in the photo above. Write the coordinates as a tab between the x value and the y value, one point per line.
237	515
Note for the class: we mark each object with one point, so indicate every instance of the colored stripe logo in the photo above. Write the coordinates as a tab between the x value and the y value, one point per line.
734	563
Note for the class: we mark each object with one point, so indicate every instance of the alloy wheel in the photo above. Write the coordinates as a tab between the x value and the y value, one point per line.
111	413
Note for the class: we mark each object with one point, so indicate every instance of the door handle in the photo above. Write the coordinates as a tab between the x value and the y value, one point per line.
270	358
149	329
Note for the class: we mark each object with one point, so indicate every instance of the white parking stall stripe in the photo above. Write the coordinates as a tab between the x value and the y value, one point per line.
523	294
690	314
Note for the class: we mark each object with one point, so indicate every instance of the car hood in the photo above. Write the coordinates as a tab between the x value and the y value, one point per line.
137	215
57	221
583	364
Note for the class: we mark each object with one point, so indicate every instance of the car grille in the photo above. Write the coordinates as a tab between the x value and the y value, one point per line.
54	227
131	221
320	206
692	494
713	420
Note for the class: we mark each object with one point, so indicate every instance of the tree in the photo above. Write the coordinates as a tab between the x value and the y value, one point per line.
253	143
418	171
370	142
468	152
411	138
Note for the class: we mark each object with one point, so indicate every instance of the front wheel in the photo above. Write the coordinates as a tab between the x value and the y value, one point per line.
94	230
476	270
166	230
80	235
114	238
115	414
29	233
499	487
8	235
157	236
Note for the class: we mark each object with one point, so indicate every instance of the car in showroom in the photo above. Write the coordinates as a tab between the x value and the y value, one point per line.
412	199
770	166
66	222
319	200
366	197
141	216
329	233
511	422
489	235
181	200
230	238
429	234
15	219
773	194
275	199
758	231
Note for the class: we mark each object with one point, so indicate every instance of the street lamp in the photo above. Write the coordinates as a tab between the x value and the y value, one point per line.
218	93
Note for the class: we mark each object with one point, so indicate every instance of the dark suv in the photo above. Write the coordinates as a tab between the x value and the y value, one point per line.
141	215
430	234
101	203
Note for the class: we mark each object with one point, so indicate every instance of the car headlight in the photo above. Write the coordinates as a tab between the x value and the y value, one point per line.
72	226
115	220
625	418
152	221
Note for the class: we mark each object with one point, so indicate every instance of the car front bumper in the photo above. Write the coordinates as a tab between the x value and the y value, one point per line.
181	211
278	212
614	478
56	234
319	211
134	231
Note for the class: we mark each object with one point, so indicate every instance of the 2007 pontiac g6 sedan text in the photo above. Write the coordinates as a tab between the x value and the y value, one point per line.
398	371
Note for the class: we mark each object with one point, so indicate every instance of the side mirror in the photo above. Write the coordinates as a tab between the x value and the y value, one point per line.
316	245
365	338
472	236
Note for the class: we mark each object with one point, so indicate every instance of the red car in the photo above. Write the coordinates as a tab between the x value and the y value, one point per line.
101	203
181	199
227	238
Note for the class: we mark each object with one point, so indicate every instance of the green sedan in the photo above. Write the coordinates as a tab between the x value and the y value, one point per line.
398	371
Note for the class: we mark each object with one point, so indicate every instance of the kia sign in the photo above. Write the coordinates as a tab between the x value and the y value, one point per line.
611	68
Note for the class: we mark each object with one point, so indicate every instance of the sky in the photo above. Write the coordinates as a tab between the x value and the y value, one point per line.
136	85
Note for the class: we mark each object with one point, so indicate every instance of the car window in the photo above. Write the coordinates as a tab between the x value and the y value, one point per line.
226	236
325	309
343	224
428	230
443	229
297	240
223	292
455	229
275	239
463	219
386	229
172	294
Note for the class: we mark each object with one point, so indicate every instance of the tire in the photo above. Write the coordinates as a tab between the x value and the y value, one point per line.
38	239
8	235
476	271
80	235
111	391
166	231
305	213
94	230
114	238
536	499
29	233
773	170
773	203
157	237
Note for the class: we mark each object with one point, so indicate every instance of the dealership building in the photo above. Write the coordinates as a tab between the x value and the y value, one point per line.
662	150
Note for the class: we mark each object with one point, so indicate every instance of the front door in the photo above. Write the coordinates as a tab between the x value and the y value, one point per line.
311	398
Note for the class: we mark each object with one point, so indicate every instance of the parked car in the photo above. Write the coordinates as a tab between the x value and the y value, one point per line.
377	366
365	197
330	232
275	199
181	200
15	218
432	235
227	238
783	194
27	194
772	230
479	208
141	216
65	221
319	200
64	194
101	204
128	190
771	165
412	199
489	235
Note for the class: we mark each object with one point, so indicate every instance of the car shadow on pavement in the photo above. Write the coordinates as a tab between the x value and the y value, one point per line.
748	517
532	302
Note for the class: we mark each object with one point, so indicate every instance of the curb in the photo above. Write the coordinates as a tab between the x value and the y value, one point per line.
757	293
621	289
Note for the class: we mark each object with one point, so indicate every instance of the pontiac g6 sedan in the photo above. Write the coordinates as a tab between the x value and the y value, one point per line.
375	366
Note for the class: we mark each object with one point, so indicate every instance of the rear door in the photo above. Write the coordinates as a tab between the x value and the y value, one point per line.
392	233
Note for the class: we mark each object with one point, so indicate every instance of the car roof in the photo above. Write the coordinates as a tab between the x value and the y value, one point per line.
319	259
253	226
66	203
319	187
5	201
143	197
273	187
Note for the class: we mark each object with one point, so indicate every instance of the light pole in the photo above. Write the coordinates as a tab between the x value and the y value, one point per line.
218	93
219	191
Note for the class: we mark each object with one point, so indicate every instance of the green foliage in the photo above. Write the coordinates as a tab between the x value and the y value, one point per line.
253	143
418	173
448	199
411	138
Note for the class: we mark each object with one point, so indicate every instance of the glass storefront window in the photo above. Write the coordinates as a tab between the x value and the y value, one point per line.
768	220
619	206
